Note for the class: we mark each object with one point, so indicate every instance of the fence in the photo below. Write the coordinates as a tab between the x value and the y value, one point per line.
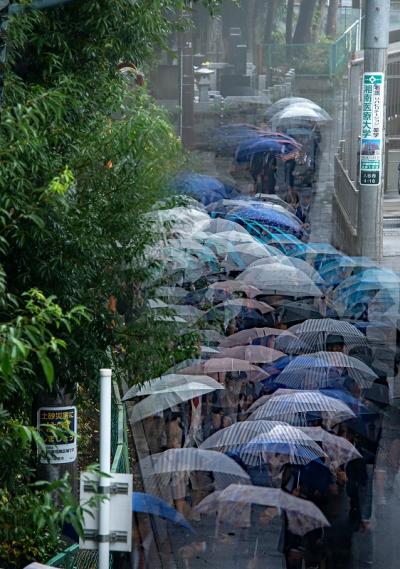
325	60
73	557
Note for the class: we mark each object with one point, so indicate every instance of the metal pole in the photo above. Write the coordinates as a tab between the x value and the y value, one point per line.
105	462
187	84
370	218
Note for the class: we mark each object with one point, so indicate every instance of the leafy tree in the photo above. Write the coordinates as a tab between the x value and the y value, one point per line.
84	158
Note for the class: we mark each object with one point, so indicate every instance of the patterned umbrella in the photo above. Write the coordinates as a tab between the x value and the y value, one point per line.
237	434
302	515
295	406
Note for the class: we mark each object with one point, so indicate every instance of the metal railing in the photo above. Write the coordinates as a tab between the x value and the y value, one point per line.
73	557
346	196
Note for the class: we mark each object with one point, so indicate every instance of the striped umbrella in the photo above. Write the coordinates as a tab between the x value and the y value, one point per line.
339	449
188	460
303	516
252	354
246	336
237	434
313	334
318	365
293	446
295	406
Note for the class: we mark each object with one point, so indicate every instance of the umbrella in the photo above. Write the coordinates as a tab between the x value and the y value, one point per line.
148	504
299	311
204	188
169	382
171	292
244	254
237	369
282	280
265	143
226	138
211	336
339	449
187	460
231	286
302	515
284	103
294	446
186	311
253	354
268	217
237	434
314	364
246	336
298	112
219	225
296	405
246	303
291	262
314	333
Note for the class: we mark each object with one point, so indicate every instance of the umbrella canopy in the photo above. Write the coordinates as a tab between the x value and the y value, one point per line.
284	103
326	361
291	262
339	449
252	354
246	336
237	434
300	112
269	217
281	279
294	446
188	460
315	333
295	406
247	303
232	286
226	138
171	292
154	404
302	515
168	382
211	337
274	199
235	368
298	312
143	503
265	143
203	188
220	225
244	254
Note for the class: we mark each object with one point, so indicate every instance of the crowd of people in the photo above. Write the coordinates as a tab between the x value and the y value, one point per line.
298	342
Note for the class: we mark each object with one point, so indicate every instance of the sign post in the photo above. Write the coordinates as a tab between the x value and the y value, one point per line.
372	129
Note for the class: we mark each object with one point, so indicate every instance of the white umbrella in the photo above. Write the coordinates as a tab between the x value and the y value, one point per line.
237	434
169	382
241	368
280	279
291	262
339	449
252	353
232	286
295	406
244	337
303	516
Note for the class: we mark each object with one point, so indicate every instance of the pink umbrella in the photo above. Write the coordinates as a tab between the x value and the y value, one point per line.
236	286
252	354
246	336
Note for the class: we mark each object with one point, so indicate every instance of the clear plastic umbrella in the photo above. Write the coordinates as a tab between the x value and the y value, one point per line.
154	404
281	279
293	446
232	286
340	450
315	364
245	337
244	254
298	112
220	225
237	434
169	382
188	460
291	262
303	516
282	104
248	303
235	368
295	406
253	354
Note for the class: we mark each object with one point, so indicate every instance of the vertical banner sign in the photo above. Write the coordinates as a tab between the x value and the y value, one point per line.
372	129
61	449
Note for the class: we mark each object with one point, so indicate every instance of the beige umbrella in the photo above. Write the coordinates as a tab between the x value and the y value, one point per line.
246	336
232	366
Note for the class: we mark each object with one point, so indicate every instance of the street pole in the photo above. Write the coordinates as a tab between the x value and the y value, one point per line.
186	84
105	468
370	214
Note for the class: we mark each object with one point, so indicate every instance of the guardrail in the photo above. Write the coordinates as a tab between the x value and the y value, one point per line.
73	557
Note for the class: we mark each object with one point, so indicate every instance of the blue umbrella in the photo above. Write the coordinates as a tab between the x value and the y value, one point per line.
268	143
269	218
226	138
147	504
205	189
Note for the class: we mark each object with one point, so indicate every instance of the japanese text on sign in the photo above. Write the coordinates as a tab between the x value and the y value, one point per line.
372	129
58	428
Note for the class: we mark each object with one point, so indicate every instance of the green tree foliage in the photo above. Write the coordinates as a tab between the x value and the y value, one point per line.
83	159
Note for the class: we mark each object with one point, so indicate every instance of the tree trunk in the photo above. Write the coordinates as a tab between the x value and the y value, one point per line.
303	32
331	19
269	26
289	21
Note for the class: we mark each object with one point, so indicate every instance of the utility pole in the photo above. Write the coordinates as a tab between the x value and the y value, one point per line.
186	92
370	211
